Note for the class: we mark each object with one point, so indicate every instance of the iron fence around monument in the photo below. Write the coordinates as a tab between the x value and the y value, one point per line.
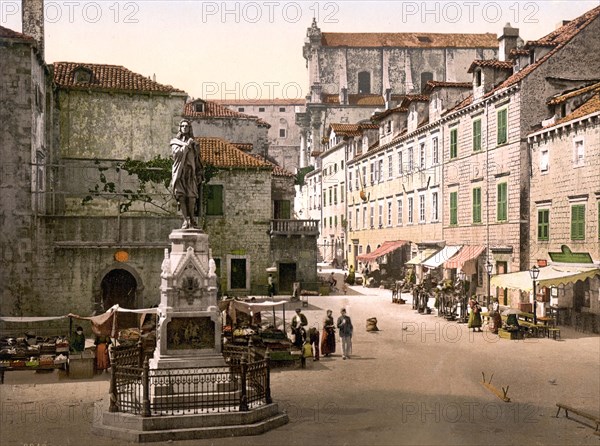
236	387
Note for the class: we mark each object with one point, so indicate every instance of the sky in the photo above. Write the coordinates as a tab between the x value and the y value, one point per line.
253	49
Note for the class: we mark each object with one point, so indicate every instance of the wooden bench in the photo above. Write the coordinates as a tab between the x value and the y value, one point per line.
555	333
581	413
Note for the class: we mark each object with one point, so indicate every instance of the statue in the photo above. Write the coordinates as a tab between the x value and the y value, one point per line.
188	173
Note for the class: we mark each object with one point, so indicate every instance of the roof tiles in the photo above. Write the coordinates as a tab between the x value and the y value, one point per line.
214	110
6	33
222	154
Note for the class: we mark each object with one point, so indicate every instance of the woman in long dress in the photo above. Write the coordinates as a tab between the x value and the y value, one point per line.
475	316
328	338
102	357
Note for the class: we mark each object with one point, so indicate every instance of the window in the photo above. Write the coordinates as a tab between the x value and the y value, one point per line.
335	195
544	160
261	109
324	198
453	143
502	202
350	220
400	167
422	155
578	152
241	109
410	209
372	172
330	222
380	219
349	179
410	159
282	109
476	135
422	208
389	213
357	218
400	202
364	217
364	82
330	196
380	171
388	126
477	205
372	216
426	76
578	222
335	221
199	107
543	229
238	275
434	206
478	77
214	203
342	190
282	210
390	167
357	179
453	208
364	175
435	154
502	126
282	133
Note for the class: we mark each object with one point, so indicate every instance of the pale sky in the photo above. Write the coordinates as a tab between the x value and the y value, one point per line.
251	49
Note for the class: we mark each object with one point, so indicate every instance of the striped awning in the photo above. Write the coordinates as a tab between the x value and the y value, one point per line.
440	257
466	254
422	256
552	275
385	248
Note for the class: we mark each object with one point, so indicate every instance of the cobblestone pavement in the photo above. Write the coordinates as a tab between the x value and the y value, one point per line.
415	381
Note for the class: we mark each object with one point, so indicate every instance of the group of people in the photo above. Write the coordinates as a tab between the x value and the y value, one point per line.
77	345
309	341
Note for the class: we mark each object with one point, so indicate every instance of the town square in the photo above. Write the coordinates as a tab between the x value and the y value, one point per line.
293	222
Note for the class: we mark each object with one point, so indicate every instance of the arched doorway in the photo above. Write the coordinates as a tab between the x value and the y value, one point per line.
119	287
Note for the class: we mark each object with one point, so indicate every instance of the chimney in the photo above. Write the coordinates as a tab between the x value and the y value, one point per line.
562	23
33	21
507	41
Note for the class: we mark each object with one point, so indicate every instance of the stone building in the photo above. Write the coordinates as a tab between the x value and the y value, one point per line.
350	75
565	196
284	133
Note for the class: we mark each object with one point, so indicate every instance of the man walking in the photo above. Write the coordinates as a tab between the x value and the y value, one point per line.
344	325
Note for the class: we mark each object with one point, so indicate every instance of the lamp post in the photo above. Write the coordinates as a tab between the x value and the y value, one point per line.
488	268
534	272
463	305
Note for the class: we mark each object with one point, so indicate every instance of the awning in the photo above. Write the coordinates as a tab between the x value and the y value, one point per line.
255	307
440	257
421	256
385	248
552	275
466	254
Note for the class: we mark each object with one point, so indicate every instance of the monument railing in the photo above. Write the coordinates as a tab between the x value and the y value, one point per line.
236	387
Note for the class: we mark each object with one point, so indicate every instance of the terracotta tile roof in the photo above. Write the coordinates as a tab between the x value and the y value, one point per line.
518	52
215	110
432	85
278	171
493	63
409	40
276	101
220	153
106	78
244	147
592	105
351	129
373	100
579	91
462	104
560	37
379	116
7	33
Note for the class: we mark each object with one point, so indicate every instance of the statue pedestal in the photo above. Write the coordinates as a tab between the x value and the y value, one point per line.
189	324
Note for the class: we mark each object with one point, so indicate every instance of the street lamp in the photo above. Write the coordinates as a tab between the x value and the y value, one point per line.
534	272
461	277
488	267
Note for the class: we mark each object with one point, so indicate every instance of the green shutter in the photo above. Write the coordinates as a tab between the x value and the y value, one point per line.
502	126
477	135
453	143
285	210
477	205
502	208
578	222
453	208
214	204
543	224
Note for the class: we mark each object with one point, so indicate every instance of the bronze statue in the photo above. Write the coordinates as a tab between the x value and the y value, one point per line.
188	173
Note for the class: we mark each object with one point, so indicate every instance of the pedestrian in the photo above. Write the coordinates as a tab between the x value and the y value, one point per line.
299	321
77	341
102	357
344	325
328	338
271	286
313	339
475	315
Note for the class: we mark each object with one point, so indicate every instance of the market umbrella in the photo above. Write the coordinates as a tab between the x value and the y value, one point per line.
510	311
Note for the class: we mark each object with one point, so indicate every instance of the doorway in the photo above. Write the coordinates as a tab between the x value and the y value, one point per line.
238	274
502	293
119	287
287	277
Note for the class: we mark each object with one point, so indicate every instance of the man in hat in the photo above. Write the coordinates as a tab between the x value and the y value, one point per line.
344	325
299	321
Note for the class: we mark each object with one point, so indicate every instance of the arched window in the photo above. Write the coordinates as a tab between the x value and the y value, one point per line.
364	82
426	76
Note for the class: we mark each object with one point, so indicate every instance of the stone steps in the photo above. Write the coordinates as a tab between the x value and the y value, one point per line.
134	428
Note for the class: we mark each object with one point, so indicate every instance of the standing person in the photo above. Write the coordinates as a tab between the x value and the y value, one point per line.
299	321
187	174
475	315
344	325
77	341
271	285
313	339
328	338
102	358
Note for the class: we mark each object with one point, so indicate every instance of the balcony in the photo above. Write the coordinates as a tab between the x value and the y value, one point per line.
295	227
